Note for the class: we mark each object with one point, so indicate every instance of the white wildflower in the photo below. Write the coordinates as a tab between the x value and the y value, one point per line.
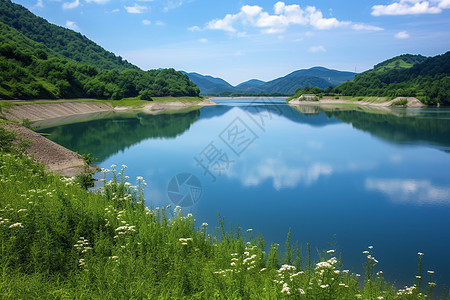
286	289
15	225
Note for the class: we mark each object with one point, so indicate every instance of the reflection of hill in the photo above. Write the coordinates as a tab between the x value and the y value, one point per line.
209	112
429	128
104	137
312	118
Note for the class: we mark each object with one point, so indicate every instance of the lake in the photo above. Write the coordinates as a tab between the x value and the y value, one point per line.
340	177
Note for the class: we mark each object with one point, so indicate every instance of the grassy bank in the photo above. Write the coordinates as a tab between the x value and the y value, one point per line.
126	102
367	99
61	241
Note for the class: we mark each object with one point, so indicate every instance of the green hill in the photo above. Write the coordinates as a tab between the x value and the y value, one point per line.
55	65
404	76
404	61
63	41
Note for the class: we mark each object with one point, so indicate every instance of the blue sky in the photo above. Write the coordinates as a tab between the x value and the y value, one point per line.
239	40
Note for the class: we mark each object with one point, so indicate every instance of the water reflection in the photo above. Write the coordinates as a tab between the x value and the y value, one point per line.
410	191
109	133
116	132
319	171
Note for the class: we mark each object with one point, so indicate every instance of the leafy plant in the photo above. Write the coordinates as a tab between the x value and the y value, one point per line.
400	102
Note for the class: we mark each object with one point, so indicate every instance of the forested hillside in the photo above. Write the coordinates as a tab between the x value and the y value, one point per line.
61	40
31	69
405	76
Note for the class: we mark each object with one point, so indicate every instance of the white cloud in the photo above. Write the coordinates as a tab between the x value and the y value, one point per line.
281	174
194	28
136	9
283	17
411	7
316	49
402	35
72	25
317	20
159	23
172	4
366	27
225	24
410	190
146	22
98	1
39	4
444	4
203	40
71	5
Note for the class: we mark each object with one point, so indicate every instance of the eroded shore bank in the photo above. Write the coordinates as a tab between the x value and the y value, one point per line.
56	158
42	111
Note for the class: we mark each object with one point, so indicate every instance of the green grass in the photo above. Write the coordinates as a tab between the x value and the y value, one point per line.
126	102
369	99
5	105
61	241
400	102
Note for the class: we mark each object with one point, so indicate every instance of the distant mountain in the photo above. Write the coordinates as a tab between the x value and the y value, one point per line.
334	77
209	84
287	85
252	83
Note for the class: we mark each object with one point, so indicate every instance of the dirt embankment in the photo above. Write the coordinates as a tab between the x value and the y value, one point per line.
55	157
41	111
412	102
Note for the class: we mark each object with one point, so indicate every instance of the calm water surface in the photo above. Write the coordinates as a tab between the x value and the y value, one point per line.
342	178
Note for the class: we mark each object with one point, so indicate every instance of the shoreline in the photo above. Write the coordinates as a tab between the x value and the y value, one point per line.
411	102
43	111
56	158
61	160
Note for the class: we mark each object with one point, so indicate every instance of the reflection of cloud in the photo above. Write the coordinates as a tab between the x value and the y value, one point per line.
410	190
359	166
316	145
396	158
282	174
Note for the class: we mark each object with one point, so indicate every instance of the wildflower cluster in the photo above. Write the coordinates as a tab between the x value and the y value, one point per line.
286	275
249	260
184	241
82	245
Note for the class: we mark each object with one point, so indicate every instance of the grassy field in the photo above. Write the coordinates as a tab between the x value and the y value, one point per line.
61	241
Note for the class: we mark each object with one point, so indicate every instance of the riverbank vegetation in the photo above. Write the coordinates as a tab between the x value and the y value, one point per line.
428	79
39	60
61	241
